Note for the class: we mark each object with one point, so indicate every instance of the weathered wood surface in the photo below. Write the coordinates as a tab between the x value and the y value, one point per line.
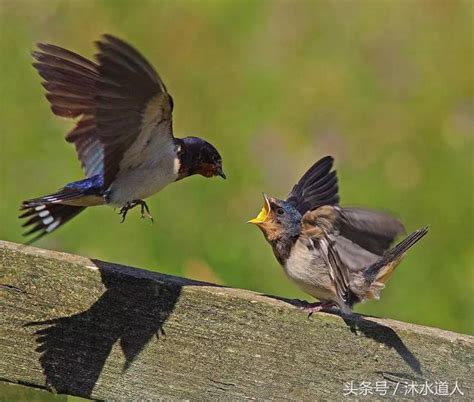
103	331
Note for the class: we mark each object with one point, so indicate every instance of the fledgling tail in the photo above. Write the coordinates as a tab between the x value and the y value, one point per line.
378	273
48	213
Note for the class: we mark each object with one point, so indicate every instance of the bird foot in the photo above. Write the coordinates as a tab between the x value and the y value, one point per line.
144	210
311	308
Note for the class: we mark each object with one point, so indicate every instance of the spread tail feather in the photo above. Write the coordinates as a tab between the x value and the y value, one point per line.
377	274
54	210
46	214
44	218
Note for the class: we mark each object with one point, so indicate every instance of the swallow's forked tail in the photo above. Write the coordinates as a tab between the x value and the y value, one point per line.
378	273
49	213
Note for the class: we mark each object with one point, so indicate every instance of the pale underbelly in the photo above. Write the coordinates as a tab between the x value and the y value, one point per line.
138	184
310	274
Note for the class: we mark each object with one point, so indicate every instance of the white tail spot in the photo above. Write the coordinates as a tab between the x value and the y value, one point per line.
53	226
52	199
47	221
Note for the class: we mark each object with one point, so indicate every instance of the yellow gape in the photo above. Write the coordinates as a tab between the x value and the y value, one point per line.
263	215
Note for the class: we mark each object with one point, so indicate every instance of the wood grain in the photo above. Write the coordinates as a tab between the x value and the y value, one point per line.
104	331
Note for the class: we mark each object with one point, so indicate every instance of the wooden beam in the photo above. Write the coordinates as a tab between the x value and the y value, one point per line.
104	331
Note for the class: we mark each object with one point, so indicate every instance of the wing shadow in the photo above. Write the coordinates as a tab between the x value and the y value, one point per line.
74	349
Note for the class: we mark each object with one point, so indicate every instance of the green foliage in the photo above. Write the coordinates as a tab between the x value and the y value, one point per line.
20	393
385	87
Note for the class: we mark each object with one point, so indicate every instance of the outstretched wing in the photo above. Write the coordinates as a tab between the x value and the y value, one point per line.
360	236
132	106
71	84
121	101
317	187
372	230
349	241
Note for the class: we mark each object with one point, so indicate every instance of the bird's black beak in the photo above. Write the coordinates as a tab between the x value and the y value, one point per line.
221	173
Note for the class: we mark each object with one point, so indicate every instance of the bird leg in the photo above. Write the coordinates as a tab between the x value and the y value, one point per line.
144	210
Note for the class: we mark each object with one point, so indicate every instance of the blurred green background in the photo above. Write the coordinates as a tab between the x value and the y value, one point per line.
384	86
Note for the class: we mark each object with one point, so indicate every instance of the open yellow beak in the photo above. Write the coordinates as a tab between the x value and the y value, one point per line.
263	215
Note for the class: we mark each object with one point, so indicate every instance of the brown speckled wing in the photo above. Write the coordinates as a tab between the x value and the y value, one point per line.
320	226
360	236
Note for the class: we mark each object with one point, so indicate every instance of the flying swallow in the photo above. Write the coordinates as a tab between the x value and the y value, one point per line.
123	134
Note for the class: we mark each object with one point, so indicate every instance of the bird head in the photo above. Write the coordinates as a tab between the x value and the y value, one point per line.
209	162
277	219
202	158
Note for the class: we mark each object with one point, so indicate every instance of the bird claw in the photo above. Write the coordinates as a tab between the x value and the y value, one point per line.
123	212
145	211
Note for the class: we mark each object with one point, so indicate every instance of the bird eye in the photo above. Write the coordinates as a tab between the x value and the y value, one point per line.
280	211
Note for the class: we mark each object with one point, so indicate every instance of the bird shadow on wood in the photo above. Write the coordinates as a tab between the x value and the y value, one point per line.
129	313
384	335
373	330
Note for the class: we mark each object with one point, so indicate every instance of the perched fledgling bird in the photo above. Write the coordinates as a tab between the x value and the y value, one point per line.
123	136
337	255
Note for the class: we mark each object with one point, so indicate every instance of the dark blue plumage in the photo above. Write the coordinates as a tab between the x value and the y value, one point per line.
90	186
